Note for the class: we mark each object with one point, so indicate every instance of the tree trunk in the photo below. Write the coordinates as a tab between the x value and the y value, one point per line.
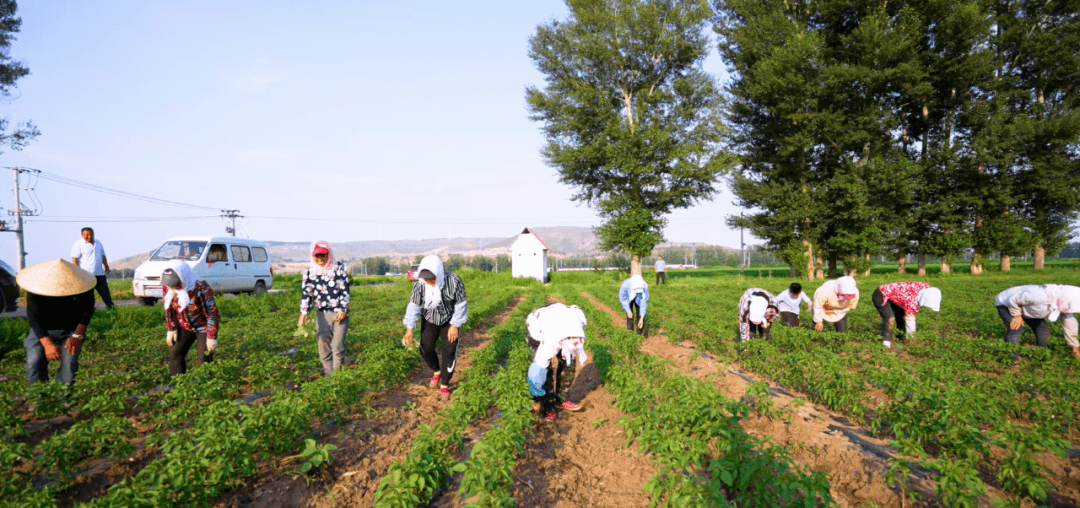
832	265
868	266
922	264
976	263
1040	256
635	265
901	263
1006	264
820	274
945	267
809	259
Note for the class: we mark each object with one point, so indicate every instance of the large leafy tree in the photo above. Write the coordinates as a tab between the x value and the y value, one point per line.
631	119
10	72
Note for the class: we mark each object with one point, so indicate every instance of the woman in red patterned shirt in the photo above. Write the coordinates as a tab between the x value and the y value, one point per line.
191	316
901	300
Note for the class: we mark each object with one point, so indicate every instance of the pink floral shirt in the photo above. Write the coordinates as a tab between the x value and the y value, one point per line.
904	294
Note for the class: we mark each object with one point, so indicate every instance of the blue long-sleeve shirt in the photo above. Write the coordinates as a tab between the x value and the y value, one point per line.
641	299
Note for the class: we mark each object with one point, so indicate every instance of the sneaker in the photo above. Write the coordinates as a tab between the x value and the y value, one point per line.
444	392
435	380
550	416
569	406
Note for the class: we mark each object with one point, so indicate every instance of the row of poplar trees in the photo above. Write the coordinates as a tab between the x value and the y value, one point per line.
849	128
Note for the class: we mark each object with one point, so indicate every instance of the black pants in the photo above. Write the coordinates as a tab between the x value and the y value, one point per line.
429	334
560	377
789	319
840	326
635	310
758	331
892	317
179	350
1039	326
102	288
661	277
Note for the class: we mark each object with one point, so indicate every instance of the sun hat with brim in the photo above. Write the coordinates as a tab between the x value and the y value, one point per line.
56	278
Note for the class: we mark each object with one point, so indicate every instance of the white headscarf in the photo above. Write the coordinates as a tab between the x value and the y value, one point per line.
1063	299
637	285
314	268
188	278
930	298
757	308
432	295
846	286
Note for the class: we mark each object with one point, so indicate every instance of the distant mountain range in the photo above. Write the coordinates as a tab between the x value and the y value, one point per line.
566	241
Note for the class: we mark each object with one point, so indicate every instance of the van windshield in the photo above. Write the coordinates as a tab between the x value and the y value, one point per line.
179	250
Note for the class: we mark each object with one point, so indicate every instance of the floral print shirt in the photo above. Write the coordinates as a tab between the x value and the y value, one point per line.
771	311
201	315
328	292
904	294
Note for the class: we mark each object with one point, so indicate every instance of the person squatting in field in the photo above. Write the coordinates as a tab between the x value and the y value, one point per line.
556	337
757	311
1036	305
833	300
440	295
191	316
325	285
899	301
59	305
634	297
788	302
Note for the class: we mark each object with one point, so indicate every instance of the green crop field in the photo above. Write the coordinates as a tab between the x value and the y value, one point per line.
964	427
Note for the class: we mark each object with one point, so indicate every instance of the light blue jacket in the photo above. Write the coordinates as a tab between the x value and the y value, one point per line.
641	299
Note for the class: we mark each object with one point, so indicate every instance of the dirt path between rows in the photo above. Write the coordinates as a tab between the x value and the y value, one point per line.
369	444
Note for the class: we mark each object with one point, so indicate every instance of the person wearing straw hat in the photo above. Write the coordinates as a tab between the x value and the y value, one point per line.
899	301
757	311
325	286
191	316
59	305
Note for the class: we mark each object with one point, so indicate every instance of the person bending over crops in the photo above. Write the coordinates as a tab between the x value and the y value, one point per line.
788	304
191	316
899	301
59	305
757	311
833	300
634	297
556	337
326	285
440	295
1035	305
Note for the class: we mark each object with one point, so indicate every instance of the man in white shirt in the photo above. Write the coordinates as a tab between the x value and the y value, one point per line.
789	300
89	254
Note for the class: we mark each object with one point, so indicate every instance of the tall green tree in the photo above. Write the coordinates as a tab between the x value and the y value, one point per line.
10	72
631	119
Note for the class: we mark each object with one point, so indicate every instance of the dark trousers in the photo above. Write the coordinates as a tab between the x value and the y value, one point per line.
429	334
758	331
661	277
37	364
892	317
560	377
789	319
840	326
635	309
179	350
1039	326
102	288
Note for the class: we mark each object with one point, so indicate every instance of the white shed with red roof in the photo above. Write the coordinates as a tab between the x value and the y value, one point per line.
528	256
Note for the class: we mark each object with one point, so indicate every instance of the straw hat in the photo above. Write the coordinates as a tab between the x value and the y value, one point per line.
55	278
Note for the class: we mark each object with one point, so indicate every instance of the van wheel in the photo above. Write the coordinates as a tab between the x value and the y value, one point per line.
146	301
260	289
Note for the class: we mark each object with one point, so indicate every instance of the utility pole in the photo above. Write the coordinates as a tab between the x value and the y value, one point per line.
18	212
231	214
742	249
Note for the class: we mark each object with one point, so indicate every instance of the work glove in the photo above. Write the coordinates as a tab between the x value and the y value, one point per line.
211	345
536	377
170	337
51	351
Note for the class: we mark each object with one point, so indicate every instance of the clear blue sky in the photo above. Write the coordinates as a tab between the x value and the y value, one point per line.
405	119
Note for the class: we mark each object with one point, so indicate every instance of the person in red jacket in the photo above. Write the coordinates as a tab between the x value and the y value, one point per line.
191	316
899	301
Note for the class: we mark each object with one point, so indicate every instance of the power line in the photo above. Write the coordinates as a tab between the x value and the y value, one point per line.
119	219
114	192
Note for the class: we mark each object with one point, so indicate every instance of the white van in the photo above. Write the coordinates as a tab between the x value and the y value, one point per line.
227	263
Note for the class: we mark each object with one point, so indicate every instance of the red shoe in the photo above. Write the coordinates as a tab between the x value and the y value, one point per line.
550	416
569	406
435	380
444	392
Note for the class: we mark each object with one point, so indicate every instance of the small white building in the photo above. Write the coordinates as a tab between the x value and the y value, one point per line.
528	256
